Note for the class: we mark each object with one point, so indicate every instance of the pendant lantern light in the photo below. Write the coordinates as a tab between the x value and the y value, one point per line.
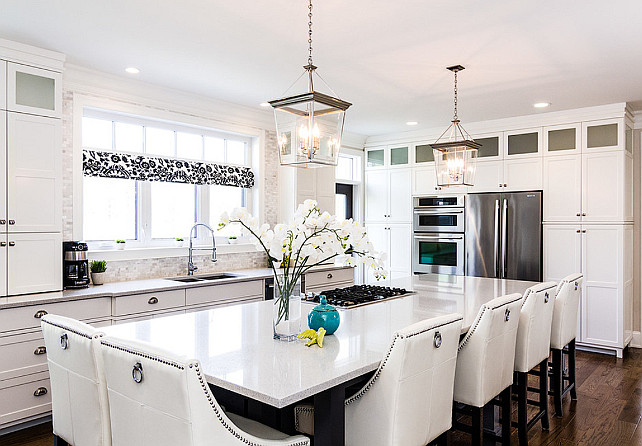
309	126
455	151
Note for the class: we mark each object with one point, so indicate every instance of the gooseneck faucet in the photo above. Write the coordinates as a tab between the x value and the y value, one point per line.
190	263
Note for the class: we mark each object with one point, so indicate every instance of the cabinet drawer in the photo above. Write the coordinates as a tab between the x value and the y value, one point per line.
328	279
320	289
141	303
228	291
29	317
18	399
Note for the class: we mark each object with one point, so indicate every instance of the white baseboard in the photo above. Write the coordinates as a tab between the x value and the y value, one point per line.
636	340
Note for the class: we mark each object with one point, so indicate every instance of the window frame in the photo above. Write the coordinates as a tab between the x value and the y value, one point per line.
143	188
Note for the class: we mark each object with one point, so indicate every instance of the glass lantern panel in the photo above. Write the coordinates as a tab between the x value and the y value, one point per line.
489	146
455	166
563	139
601	136
423	154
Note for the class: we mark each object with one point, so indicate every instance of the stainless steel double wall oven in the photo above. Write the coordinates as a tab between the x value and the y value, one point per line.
438	240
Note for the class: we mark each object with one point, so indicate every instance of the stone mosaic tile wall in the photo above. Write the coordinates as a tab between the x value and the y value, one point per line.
170	266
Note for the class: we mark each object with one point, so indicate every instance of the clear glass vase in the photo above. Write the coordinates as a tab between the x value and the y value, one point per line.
286	308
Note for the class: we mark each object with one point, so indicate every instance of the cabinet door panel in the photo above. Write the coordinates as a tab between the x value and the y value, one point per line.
562	188
488	177
562	251
523	174
35	263
400	196
379	237
602	186
424	180
3	170
400	249
34	90
377	195
3	266
601	312
34	174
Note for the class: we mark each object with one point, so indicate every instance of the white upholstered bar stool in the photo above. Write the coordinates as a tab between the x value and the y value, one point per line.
157	398
532	349
78	392
563	333
408	400
485	365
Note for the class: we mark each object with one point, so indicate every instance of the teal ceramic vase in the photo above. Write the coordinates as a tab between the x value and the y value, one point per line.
324	315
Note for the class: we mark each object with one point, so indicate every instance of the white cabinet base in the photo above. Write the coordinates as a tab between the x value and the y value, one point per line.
34	263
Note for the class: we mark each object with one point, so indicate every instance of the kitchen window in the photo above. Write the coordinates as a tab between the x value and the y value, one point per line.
155	213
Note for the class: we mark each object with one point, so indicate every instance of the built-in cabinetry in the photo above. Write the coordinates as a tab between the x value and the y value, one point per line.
299	184
31	168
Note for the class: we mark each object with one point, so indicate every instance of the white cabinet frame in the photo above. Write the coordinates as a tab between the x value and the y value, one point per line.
12	69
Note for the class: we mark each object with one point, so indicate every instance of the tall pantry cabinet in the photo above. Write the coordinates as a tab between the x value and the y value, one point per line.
30	170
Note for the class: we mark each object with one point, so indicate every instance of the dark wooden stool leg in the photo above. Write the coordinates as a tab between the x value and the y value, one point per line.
522	414
478	426
506	415
543	392
556	382
59	441
442	440
571	369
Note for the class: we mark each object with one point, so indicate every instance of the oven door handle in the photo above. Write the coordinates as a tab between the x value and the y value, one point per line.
438	211
436	237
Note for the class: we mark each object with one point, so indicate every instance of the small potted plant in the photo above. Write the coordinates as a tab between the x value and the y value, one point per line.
98	268
232	240
180	241
120	244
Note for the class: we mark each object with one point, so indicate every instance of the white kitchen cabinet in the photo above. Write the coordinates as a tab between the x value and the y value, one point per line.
396	241
522	174
3	264
388	195
3	85
299	184
34	90
603	188
489	176
34	173
424	180
562	139
34	262
562	186
603	254
603	134
376	158
3	171
523	143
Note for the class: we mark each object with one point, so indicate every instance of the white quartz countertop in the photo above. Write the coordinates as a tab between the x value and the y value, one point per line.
235	346
131	287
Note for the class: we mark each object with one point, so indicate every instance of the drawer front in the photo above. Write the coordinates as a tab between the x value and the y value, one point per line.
328	279
320	289
142	303
228	291
19	401
29	317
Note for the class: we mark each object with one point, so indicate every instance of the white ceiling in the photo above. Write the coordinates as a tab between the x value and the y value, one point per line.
386	57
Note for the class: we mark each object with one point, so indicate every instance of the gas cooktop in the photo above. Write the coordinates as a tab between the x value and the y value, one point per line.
357	295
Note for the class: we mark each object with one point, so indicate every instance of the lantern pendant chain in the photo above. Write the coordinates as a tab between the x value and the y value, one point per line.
455	117
310	33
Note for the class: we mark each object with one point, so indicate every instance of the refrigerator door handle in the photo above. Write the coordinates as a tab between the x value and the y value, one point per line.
504	229
496	254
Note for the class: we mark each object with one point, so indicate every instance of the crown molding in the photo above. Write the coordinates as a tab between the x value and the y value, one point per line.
31	55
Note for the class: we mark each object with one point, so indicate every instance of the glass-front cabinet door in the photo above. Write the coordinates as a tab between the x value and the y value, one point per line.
491	146
605	134
375	157
34	90
399	155
521	143
562	139
423	153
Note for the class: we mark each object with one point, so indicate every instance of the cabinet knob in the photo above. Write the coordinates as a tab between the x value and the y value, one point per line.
505	185
3	243
500	184
578	231
3	221
40	314
40	350
583	230
329	275
40	391
578	214
583	214
152	300
12	243
12	222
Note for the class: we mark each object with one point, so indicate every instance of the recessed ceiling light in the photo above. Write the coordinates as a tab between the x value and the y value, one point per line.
541	104
132	70
412	123
264	104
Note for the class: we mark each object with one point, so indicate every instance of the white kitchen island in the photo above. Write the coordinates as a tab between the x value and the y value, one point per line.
237	352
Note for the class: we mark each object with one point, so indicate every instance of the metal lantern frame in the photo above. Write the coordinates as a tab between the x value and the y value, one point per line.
455	151
309	126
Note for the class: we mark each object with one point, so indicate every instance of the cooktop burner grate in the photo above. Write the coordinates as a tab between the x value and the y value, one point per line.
358	295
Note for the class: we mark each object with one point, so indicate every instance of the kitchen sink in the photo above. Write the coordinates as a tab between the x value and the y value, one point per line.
203	278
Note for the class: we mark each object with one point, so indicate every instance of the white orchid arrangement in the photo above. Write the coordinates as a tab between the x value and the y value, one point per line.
310	239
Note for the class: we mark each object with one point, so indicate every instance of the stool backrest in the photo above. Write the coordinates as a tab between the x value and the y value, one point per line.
567	304
487	352
80	409
534	330
409	399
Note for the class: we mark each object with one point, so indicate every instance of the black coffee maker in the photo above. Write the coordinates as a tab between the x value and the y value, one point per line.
75	265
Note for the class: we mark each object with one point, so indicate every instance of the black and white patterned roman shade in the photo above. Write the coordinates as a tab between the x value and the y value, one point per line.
152	168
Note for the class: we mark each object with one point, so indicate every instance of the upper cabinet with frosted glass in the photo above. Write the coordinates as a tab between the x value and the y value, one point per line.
565	139
523	143
605	134
33	90
388	156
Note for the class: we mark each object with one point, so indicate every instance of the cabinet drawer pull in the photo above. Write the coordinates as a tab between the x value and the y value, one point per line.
12	243
40	314
329	275
152	300
40	350
40	391
12	222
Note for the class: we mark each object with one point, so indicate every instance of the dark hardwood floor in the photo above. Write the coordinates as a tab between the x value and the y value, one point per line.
607	412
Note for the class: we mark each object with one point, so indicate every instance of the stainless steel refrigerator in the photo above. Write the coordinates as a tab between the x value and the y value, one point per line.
504	235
